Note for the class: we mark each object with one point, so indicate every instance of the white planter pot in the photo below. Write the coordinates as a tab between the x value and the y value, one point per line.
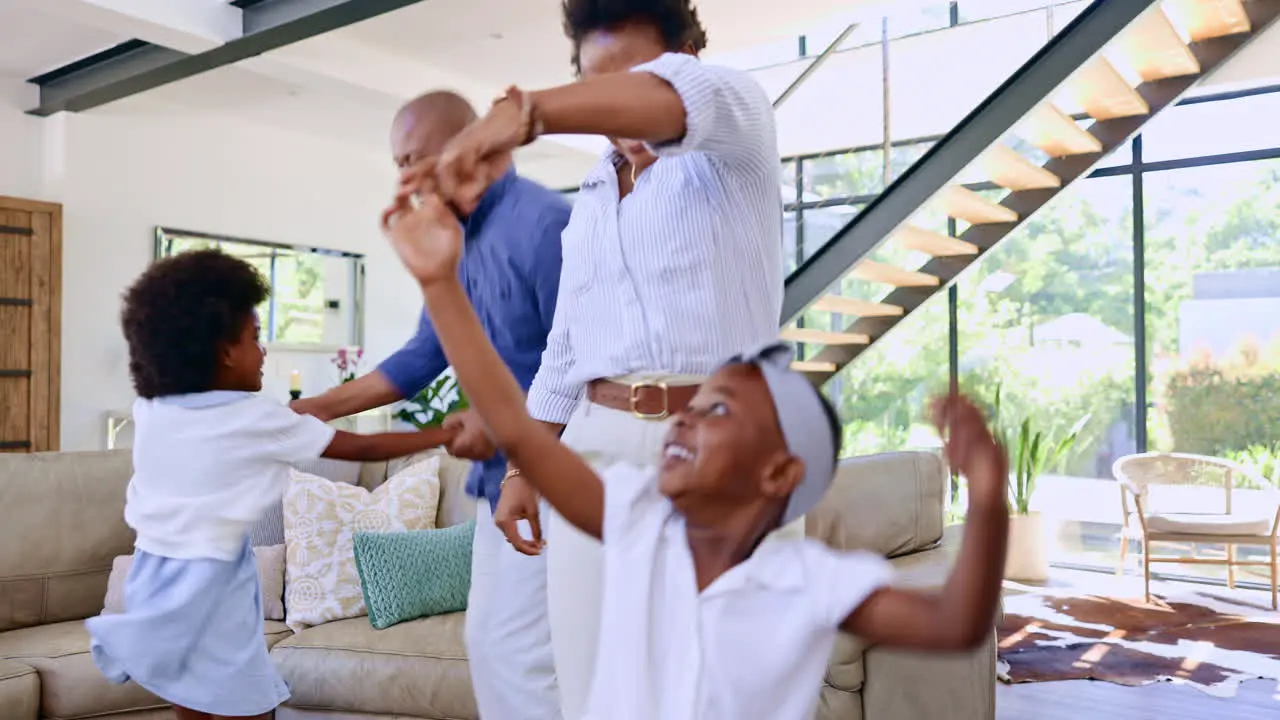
1027	560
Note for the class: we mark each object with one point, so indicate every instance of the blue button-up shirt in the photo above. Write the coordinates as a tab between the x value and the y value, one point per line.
511	271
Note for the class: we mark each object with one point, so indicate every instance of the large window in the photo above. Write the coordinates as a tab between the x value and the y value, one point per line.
1187	360
315	294
1213	323
1047	320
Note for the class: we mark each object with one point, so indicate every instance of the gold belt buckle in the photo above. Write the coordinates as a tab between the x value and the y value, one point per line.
635	401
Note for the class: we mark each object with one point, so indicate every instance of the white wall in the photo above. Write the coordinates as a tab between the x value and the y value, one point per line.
121	171
21	139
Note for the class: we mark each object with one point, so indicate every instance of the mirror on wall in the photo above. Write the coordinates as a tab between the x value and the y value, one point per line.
317	295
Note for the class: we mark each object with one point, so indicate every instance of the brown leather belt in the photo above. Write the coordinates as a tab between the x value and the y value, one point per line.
647	400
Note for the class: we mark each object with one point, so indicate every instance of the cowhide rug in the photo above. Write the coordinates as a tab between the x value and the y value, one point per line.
1209	642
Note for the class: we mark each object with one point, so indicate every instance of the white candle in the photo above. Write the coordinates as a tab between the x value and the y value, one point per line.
295	381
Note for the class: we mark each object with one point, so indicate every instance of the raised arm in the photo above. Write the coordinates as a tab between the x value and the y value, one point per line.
963	615
429	241
676	103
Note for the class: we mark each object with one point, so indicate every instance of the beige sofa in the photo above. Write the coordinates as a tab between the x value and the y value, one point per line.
61	525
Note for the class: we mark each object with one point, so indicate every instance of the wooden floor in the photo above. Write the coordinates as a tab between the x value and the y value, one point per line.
1087	699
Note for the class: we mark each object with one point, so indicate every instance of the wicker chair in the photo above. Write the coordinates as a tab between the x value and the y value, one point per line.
1181	498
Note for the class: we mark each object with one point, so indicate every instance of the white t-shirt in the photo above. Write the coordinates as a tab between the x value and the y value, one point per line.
754	644
207	466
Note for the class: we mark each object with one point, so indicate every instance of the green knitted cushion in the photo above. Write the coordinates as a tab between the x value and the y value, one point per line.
407	575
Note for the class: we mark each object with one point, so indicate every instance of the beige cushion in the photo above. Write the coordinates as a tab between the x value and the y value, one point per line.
456	507
320	519
61	523
891	504
71	686
416	669
1208	524
19	691
270	576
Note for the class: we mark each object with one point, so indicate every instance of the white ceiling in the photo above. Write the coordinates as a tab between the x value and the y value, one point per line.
345	85
33	42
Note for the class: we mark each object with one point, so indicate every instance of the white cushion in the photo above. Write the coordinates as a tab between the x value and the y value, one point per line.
1208	524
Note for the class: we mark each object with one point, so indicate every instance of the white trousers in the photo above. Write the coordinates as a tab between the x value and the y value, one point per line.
602	436
507	634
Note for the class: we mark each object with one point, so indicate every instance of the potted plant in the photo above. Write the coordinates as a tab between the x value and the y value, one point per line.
1031	453
436	401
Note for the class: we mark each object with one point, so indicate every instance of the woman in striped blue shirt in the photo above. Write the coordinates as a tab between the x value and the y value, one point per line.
672	260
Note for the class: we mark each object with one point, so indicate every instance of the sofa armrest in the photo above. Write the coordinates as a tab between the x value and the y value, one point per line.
930	686
891	504
888	684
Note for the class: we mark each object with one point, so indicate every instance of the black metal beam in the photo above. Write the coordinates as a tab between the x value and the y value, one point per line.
12	230
15	373
15	444
137	66
15	302
1027	88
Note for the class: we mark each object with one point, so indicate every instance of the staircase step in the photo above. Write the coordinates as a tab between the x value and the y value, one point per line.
813	366
811	336
1152	48
850	306
1008	168
932	243
1053	131
964	204
877	272
1207	19
1100	90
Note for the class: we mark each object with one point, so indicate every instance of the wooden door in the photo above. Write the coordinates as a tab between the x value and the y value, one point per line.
30	324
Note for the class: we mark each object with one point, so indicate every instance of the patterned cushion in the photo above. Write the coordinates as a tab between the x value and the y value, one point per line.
269	530
409	575
320	517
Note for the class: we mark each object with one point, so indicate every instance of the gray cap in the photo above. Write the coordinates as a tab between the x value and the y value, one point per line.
805	428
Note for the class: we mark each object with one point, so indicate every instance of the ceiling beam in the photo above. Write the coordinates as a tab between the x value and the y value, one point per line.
265	26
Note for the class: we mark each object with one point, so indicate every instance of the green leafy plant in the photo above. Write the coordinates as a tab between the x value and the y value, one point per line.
1262	459
435	402
1031	452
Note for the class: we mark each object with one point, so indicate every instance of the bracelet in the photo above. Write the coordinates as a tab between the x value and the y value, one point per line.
530	123
510	474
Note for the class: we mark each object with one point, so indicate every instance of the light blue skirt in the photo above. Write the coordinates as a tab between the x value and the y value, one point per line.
192	635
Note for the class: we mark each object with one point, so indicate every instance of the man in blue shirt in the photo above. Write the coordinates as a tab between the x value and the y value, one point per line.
511	270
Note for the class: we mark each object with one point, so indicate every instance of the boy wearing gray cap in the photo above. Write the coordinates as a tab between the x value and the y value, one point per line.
704	616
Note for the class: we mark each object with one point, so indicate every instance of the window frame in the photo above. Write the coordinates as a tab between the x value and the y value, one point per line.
165	236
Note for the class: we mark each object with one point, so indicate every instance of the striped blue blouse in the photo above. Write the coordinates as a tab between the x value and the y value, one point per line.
685	271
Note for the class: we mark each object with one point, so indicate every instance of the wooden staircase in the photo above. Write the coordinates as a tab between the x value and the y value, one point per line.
1141	71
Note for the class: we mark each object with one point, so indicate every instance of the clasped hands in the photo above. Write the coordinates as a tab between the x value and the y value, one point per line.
471	161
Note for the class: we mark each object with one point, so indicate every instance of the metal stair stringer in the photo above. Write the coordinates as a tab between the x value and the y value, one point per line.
954	152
